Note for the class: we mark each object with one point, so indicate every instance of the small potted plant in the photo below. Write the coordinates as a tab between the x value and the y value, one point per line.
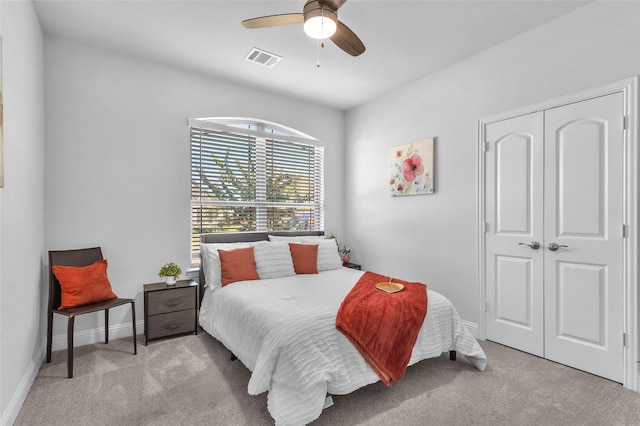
343	250
170	273
345	254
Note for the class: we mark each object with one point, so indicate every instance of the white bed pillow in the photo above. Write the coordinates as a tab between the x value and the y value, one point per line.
328	257
297	239
211	261
273	260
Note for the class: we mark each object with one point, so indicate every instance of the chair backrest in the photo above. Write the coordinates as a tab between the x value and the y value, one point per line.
78	257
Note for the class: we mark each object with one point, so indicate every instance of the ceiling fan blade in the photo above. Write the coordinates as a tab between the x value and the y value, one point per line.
332	4
274	20
346	40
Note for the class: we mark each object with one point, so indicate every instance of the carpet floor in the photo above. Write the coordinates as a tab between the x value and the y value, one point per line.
190	380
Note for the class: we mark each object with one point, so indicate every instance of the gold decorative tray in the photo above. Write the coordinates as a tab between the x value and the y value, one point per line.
390	287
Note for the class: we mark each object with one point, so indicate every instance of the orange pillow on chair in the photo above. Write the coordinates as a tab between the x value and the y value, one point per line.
83	285
305	258
237	265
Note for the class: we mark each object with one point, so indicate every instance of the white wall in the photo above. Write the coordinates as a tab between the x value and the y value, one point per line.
433	238
117	158
22	289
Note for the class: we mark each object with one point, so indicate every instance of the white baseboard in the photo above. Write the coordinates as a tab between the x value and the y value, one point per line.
473	328
10	414
95	335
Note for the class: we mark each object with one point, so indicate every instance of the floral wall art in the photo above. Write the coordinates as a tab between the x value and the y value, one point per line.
412	168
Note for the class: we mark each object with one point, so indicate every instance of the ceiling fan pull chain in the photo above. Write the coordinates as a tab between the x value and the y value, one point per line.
320	42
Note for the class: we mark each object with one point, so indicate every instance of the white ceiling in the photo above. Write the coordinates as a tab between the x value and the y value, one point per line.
405	40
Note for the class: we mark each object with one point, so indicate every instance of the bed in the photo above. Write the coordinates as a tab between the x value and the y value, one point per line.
282	327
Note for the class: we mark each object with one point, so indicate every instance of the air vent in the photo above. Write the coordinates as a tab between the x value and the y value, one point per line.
262	57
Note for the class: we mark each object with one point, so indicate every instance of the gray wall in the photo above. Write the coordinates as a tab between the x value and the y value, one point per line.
433	238
21	206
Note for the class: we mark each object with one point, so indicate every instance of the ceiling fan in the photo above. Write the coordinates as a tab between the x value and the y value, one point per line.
320	20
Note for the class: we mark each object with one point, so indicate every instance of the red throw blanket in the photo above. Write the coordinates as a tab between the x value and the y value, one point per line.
383	326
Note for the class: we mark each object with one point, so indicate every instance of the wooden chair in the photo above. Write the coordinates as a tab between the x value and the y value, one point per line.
79	257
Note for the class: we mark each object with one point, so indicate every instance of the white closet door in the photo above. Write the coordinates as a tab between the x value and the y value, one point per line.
514	215
584	212
557	178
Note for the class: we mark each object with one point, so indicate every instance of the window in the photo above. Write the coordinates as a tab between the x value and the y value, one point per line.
251	175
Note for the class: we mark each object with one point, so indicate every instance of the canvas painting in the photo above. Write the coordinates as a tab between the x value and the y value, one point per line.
412	168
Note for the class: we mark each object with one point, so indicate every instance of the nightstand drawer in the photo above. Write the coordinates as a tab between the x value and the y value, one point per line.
171	323
178	299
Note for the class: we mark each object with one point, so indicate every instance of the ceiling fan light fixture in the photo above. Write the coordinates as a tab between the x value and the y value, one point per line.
319	22
320	27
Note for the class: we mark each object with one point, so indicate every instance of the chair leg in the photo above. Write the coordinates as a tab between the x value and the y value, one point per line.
133	321
106	326
70	325
49	334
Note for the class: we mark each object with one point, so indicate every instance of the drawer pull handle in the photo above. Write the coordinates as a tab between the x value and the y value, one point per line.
172	303
171	326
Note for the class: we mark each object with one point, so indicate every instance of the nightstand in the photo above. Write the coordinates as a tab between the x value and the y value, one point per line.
170	310
353	266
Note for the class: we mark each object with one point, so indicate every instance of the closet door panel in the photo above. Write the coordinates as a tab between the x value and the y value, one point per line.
514	272
583	197
581	185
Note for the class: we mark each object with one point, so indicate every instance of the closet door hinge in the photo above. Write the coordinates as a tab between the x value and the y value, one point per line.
486	147
624	231
624	122
624	339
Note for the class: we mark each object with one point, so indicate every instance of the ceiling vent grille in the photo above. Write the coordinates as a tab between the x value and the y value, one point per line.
262	57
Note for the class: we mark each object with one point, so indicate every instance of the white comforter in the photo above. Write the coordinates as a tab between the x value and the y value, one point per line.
283	330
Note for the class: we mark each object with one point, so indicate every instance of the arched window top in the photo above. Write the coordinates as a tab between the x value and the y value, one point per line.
254	127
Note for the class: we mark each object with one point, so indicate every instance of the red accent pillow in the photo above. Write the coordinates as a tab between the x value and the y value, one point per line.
305	258
237	265
83	285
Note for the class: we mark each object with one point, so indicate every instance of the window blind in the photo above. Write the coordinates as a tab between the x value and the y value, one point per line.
243	182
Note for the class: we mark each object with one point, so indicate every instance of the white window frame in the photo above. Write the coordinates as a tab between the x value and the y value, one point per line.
262	131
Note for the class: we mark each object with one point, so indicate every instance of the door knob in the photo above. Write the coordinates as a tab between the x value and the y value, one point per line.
554	246
534	245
